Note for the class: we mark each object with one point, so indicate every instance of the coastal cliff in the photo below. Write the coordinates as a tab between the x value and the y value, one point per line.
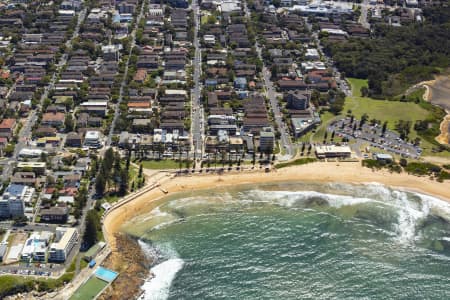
133	266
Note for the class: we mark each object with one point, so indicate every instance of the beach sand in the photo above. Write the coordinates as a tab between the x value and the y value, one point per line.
344	172
438	93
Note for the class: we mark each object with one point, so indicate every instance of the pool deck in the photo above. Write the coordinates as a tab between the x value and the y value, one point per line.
106	274
83	276
101	274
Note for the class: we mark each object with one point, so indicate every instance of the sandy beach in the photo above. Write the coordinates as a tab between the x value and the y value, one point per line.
344	172
438	93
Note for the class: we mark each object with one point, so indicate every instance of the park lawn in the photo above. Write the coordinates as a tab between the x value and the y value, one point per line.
83	264
326	118
90	289
133	173
383	110
390	111
357	84
10	284
111	198
305	138
162	164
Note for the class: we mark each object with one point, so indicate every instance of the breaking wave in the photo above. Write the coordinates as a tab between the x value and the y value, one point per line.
157	286
402	213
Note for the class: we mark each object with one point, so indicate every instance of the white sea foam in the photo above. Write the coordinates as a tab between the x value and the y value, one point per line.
436	206
409	211
154	213
200	200
148	250
158	213
289	198
158	287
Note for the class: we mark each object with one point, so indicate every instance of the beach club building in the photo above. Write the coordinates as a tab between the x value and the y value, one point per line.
333	151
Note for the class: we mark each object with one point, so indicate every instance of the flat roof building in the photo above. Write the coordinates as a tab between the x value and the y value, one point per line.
383	157
12	202
30	153
35	248
66	240
266	140
3	249
333	151
92	139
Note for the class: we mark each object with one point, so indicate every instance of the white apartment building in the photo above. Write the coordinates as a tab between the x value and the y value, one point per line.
12	202
66	239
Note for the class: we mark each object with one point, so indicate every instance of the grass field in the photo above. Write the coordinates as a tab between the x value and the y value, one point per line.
326	118
297	162
390	111
357	84
162	164
10	284
90	289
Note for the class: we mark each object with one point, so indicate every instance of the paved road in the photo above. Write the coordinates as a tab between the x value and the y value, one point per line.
23	140
124	80
197	113
363	18
285	140
25	133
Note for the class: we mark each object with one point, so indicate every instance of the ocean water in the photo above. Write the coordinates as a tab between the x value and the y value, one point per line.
297	241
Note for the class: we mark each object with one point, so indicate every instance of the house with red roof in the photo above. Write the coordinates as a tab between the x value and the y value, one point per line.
7	127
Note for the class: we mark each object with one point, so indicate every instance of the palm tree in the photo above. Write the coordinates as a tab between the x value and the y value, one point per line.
215	158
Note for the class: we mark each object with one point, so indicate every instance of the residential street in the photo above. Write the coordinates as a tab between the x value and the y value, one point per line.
197	114
285	140
124	80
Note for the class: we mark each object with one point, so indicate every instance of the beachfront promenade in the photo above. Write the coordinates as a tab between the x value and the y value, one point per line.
154	180
156	183
161	183
86	273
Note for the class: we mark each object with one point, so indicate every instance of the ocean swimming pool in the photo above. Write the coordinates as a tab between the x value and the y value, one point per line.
106	274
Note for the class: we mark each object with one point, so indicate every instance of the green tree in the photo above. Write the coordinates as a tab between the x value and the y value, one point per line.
140	171
403	162
68	123
383	129
100	184
123	186
92	227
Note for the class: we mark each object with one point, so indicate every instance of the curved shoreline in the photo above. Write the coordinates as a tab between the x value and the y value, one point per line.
344	172
443	138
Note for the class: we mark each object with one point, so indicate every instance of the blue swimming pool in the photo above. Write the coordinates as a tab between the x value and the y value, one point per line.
106	274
